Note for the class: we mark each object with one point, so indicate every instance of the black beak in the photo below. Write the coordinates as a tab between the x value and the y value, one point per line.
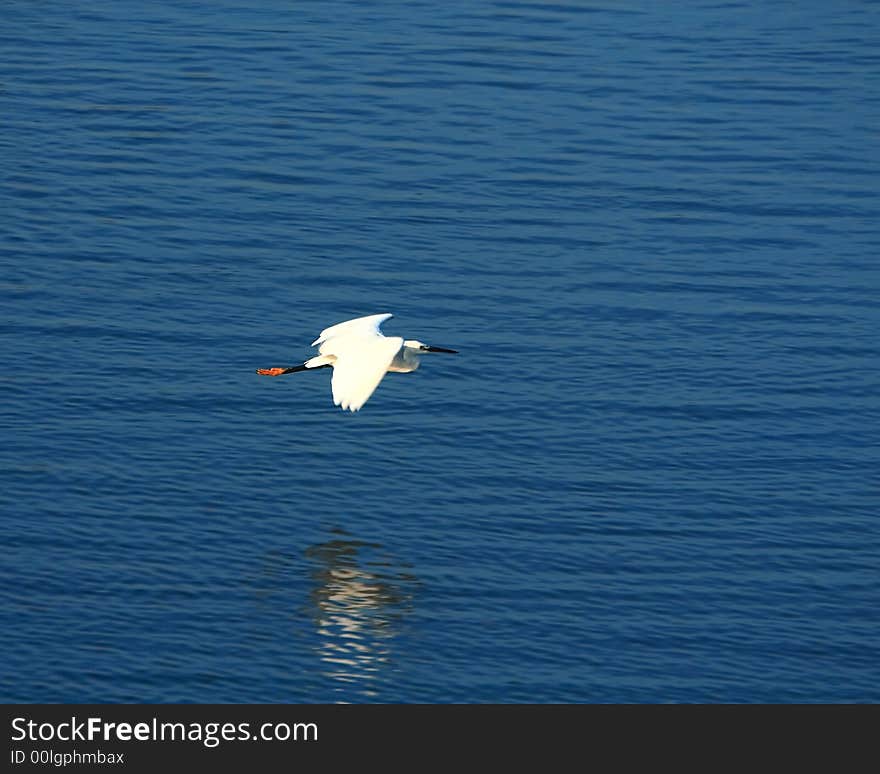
441	349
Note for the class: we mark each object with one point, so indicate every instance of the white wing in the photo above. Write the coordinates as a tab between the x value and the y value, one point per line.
361	362
364	326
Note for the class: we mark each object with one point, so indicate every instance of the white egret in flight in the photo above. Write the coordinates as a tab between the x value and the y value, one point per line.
360	356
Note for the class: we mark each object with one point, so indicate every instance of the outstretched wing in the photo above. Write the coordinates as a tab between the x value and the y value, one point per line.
364	326
361	362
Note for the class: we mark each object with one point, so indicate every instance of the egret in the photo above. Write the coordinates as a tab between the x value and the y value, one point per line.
360	355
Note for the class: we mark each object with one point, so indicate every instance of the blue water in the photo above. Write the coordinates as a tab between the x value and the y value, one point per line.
652	232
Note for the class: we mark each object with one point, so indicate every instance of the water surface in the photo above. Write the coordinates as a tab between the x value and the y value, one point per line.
651	474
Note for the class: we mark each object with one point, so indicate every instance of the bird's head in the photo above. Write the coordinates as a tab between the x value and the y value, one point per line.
421	347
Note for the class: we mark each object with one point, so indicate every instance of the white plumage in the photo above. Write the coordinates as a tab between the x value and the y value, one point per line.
360	356
359	326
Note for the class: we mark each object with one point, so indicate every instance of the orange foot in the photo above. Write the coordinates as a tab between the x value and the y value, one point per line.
270	371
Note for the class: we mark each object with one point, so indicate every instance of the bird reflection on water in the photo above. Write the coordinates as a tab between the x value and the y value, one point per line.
357	603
